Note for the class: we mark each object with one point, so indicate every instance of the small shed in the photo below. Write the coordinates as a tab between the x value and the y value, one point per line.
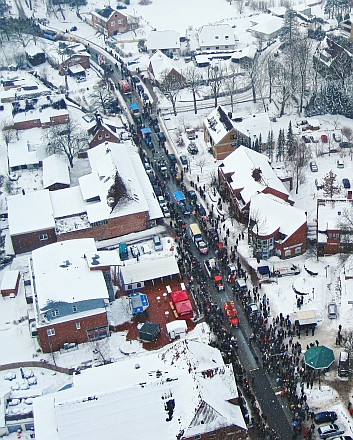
150	331
10	283
177	329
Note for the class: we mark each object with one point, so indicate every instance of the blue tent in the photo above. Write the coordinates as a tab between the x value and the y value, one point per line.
134	107
146	132
139	302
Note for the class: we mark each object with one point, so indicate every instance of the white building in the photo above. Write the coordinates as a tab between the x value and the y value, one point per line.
165	41
217	37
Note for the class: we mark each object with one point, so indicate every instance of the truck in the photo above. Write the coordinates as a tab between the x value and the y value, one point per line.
197	238
180	199
212	270
124	87
285	269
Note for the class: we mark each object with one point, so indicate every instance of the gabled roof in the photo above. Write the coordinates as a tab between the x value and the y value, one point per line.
216	35
106	13
218	124
161	64
240	165
267	25
158	394
161	40
55	170
272	214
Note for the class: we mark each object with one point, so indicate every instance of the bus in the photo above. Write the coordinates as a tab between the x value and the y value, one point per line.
197	238
123	252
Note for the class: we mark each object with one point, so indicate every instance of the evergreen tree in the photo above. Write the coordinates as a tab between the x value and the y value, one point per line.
256	145
260	143
270	145
280	145
290	142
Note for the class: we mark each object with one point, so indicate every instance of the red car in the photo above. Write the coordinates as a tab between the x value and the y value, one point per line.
324	138
232	313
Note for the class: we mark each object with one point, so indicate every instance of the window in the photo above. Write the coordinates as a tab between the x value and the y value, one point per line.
197	437
107	135
78	326
217	47
74	309
298	251
112	23
100	137
287	254
43	237
51	332
99	223
226	37
173	77
55	313
120	21
216	37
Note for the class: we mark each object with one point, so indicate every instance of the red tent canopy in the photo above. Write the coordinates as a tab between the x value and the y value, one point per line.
184	308
179	295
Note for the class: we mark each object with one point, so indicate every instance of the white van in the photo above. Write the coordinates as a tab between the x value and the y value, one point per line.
157	243
332	310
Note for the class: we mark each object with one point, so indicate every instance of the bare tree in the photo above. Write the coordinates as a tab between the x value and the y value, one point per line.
215	81
231	77
252	69
282	83
8	133
201	162
330	185
102	98
170	87
347	132
257	224
298	162
66	139
193	80
303	57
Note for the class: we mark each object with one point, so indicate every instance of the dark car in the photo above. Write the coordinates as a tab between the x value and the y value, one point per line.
145	97
172	158
345	145
157	190
192	195
156	127
121	7
183	160
73	29
140	88
135	79
192	148
346	183
201	210
161	137
325	417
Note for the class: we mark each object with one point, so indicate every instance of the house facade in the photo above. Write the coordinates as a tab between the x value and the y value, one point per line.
221	134
162	68
216	37
245	173
70	300
109	21
167	42
276	228
334	232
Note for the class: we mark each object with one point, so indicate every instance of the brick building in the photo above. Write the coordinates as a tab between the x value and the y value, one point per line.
70	300
162	68
109	21
276	228
172	392
334	227
116	198
245	173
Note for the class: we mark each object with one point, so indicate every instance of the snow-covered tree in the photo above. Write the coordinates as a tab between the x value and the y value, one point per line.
281	143
291	143
330	186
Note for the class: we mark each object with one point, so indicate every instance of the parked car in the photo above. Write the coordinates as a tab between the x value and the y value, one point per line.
340	163
253	309
301	122
145	97
73	29
342	437
135	79
161	137
346	144
165	211
314	139
306	139
328	431
313	166
346	183
183	160
201	210
337	137
325	417
192	195
146	248
324	138
332	310
343	364
172	158
192	148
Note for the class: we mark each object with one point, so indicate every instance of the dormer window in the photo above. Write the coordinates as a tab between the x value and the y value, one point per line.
226	37
216	37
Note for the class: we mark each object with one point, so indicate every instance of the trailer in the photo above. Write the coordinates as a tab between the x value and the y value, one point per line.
124	87
283	269
218	282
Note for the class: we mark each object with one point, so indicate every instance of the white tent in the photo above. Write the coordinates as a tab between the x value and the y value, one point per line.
177	329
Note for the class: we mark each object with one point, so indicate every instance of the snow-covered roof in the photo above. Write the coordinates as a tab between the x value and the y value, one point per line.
55	170
58	52
272	214
254	125
216	35
20	154
33	50
62	273
333	213
9	279
67	202
108	161
161	64
268	25
42	115
278	10
30	212
134	394
162	40
246	52
241	163
149	269
218	124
